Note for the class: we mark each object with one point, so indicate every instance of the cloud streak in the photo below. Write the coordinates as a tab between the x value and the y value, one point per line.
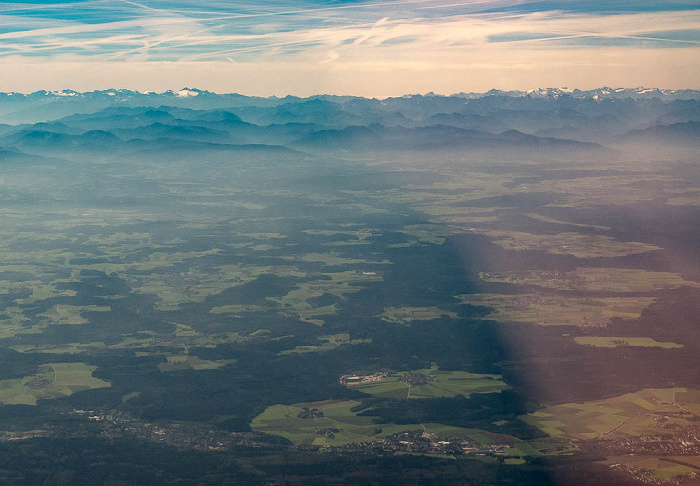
434	33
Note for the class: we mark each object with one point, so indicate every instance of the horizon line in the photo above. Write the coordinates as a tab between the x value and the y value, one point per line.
192	92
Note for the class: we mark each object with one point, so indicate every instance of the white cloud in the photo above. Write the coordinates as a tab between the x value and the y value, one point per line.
414	41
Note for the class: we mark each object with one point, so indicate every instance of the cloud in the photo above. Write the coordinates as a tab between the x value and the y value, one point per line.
507	35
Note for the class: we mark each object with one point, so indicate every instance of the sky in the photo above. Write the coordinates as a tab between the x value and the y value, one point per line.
356	47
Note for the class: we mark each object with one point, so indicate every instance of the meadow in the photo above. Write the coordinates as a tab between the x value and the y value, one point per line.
340	425
53	380
432	383
631	414
558	310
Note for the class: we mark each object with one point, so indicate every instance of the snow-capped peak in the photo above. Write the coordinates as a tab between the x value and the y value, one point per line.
186	93
65	92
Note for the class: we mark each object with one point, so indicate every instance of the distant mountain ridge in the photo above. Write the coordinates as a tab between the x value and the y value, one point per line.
688	133
192	93
597	93
591	113
431	137
105	123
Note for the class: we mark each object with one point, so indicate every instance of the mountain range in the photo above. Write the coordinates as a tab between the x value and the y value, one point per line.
103	123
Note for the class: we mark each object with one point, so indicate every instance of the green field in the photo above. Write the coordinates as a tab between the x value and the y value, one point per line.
176	288
663	468
283	420
71	314
354	237
556	310
615	342
545	219
326	343
693	200
632	414
574	244
437	383
405	315
596	190
334	259
341	424
189	362
296	302
51	381
594	279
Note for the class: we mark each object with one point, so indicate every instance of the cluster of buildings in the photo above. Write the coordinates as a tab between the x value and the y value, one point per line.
353	380
646	476
181	435
421	442
682	441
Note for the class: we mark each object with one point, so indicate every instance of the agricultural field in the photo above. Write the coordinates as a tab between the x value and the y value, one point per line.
405	315
337	425
334	259
326	343
191	362
144	343
350	237
51	381
425	234
546	219
630	427
691	200
431	383
334	286
557	310
661	468
457	201
632	414
594	279
616	342
444	197
174	289
605	190
71	314
334	423
574	244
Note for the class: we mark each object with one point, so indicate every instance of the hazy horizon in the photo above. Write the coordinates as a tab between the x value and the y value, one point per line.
374	49
186	91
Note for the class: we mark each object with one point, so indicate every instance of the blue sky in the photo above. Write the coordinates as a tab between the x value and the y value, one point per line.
355	47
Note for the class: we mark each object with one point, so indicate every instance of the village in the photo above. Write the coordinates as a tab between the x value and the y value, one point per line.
419	442
182	435
116	425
